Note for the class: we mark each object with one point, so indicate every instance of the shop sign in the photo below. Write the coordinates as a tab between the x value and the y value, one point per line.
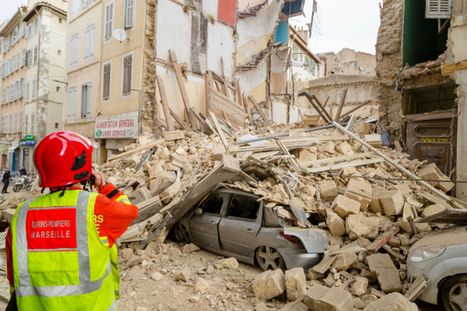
27	143
30	137
4	149
117	128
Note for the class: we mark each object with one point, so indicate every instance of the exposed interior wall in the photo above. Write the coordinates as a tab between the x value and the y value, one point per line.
388	63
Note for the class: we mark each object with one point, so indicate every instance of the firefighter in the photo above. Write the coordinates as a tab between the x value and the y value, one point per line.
61	252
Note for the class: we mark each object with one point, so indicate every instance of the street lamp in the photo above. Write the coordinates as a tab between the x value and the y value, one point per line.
139	110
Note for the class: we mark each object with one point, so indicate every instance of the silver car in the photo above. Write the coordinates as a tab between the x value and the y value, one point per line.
234	223
441	258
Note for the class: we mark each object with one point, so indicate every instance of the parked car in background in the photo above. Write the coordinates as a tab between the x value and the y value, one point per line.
441	258
234	223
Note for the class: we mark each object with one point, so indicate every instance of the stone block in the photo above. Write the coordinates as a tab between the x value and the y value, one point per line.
359	191
229	263
327	190
313	296
343	206
404	189
324	264
431	210
360	286
386	272
345	148
328	147
336	299
156	276
8	214
201	286
392	202
174	135
269	284
344	260
304	155
295	284
168	194
218	152
431	171
362	128
184	275
261	307
190	248
392	302
377	193
362	226
335	224
373	140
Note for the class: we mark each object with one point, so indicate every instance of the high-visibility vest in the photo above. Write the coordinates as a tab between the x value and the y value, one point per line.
59	260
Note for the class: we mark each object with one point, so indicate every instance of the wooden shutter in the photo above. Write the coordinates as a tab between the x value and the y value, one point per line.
35	54
89	44
74	50
20	126
30	58
88	100
437	9
109	21
129	13
85	3
75	7
23	57
106	89
71	103
26	122
27	90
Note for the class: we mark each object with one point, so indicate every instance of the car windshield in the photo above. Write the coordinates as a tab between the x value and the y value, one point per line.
243	207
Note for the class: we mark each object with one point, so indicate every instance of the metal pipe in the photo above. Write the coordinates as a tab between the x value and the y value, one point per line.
284	134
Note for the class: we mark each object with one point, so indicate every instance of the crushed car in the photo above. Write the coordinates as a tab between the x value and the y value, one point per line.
233	223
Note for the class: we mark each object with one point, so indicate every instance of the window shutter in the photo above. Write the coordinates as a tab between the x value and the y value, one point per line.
18	89
23	58
27	90
129	13
16	121
26	121
127	64
33	123
89	44
74	50
108	21
106	91
20	126
13	63
30	58
88	100
33	88
13	91
17	61
71	104
437	9
21	87
35	54
75	7
85	3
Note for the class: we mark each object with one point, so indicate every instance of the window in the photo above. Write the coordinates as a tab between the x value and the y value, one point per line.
74	49
35	54
86	100
7	94
17	60
85	3
23	58
71	103
27	90
438	9
75	7
30	34
89	44
18	89
243	207
13	91
106	84
26	120
109	17
33	121
20	126
4	69
11	123
16	122
59	52
30	57
129	13
58	89
21	87
4	123
60	21
56	125
33	95
213	204
127	72
13	63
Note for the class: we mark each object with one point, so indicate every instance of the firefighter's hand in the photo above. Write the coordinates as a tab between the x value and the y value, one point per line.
99	182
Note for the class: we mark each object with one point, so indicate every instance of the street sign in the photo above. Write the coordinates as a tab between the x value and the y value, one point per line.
27	143
30	137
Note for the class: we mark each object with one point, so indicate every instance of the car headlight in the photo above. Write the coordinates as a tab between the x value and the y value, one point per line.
423	254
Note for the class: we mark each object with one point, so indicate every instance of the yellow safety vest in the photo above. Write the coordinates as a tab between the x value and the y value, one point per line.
59	260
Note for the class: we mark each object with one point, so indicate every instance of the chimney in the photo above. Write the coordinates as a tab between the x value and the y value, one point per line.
303	34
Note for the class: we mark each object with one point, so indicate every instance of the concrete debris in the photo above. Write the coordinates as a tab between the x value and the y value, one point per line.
295	284
229	263
190	248
184	275
269	284
386	272
360	286
391	302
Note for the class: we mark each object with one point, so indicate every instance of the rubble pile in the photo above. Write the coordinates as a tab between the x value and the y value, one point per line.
370	207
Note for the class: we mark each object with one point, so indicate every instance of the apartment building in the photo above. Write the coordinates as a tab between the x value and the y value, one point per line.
3	148
104	74
13	74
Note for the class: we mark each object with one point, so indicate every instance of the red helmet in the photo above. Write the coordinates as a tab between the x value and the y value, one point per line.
63	158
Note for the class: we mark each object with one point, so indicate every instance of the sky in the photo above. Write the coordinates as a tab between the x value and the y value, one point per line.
338	23
342	23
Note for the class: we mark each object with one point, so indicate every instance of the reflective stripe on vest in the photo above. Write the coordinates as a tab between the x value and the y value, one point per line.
82	248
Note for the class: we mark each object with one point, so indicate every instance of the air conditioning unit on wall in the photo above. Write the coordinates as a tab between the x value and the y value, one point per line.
438	9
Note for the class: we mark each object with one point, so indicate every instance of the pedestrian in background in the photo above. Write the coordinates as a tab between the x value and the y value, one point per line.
22	171
6	179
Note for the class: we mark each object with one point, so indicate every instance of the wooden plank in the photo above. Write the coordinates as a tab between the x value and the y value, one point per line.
219	103
324	106
224	87
260	111
232	130
341	104
354	109
417	288
207	82
158	143
165	104
328	116
286	152
344	165
181	85
179	121
245	103
338	159
219	130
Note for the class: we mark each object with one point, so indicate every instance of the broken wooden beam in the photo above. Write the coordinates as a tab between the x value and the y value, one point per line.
260	111
341	105
165	104
158	143
344	165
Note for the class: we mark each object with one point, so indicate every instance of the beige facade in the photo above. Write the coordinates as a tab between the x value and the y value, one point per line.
104	74
348	61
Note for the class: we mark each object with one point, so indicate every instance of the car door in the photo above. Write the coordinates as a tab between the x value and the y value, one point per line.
204	227
241	223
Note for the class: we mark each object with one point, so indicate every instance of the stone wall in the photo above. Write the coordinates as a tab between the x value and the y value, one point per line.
388	64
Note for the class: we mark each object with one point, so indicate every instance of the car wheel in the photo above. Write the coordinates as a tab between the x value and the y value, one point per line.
269	258
180	233
454	293
17	188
